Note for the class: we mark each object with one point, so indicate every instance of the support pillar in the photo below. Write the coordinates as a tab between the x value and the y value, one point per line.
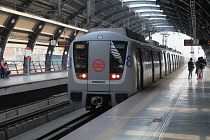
32	40
193	18
66	50
48	58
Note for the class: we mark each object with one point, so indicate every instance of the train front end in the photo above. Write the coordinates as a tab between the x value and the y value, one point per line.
97	71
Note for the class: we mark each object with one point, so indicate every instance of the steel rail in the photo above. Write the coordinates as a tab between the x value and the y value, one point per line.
12	122
72	125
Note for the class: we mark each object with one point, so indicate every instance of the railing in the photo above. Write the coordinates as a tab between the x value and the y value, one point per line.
16	67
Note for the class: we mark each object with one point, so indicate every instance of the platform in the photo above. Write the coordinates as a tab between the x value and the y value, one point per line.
25	83
174	108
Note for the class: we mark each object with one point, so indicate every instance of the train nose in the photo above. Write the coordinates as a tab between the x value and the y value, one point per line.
96	100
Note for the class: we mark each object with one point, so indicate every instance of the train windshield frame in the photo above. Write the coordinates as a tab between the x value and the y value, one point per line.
118	51
80	55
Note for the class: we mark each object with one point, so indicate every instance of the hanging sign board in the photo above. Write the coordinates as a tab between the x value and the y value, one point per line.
196	42
64	43
188	42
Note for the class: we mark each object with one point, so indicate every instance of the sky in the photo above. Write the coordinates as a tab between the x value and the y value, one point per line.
175	40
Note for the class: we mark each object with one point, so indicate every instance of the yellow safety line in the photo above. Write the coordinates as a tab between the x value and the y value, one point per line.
116	126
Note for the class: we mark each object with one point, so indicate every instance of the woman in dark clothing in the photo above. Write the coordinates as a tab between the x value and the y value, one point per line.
197	65
190	68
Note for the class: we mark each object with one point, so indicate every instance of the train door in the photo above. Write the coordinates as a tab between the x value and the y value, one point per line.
144	67
150	67
171	60
161	64
169	63
165	63
138	65
98	70
176	62
153	66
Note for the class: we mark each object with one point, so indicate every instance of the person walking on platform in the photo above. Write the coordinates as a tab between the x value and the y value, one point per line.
198	71
190	68
202	64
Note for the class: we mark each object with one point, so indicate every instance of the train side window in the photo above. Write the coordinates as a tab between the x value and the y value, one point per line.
80	55
149	59
117	56
144	56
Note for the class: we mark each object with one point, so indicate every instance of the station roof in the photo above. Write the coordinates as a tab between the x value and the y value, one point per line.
141	16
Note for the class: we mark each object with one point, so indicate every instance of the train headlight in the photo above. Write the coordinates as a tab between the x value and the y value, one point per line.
115	76
82	75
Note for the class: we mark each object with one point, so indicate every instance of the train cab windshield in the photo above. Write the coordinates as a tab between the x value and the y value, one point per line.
117	56
80	53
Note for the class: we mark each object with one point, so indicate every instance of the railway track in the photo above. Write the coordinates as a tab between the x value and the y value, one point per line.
18	120
31	107
72	125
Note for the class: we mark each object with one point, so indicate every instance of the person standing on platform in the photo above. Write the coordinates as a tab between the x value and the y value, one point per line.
197	65
6	71
2	68
190	68
202	64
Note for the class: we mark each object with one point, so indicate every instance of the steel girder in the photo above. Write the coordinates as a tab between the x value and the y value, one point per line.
75	14
83	24
121	18
32	40
80	11
109	16
10	24
36	32
134	22
66	49
202	10
51	47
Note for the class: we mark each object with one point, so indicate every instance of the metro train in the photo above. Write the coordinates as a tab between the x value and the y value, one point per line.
107	66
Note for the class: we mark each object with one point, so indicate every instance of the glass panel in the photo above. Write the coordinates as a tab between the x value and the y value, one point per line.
80	54
117	56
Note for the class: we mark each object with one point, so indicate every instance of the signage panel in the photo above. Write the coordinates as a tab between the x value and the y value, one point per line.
196	42
188	42
64	43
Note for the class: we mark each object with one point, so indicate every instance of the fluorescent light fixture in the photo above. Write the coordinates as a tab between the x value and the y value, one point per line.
157	18
23	29
160	23
135	0
18	40
154	15
40	19
149	10
142	5
164	26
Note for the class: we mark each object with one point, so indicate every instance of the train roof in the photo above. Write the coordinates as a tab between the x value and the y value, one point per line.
129	34
123	31
153	42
